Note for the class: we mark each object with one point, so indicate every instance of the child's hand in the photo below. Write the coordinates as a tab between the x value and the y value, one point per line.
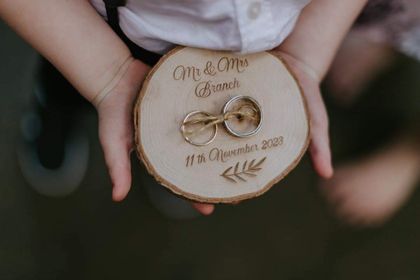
319	147
116	130
309	50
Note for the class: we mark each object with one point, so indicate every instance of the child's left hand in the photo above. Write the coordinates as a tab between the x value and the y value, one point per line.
319	148
116	131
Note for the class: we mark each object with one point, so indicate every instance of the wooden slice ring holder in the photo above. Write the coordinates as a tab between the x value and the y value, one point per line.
229	169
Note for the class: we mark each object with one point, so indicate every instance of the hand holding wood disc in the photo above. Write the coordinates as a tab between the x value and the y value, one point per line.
116	130
115	127
319	148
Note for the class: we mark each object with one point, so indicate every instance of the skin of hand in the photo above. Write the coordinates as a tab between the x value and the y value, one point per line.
319	147
308	51
115	113
93	56
308	61
96	57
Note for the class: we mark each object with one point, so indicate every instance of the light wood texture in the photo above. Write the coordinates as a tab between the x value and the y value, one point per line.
230	169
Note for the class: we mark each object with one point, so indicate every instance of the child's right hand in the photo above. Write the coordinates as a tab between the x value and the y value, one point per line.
116	130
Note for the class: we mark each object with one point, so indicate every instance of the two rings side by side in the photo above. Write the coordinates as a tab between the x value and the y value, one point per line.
211	121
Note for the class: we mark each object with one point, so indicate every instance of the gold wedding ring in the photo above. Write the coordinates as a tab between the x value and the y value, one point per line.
186	133
237	108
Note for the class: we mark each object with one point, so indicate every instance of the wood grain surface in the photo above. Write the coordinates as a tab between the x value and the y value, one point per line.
229	169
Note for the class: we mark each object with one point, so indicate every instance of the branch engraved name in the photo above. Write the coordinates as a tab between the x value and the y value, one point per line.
206	88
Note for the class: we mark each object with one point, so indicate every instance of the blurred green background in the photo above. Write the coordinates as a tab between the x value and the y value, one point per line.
289	233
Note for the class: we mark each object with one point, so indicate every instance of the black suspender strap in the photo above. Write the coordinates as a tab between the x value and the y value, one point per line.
112	13
150	58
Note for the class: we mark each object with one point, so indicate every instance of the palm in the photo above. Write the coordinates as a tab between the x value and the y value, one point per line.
319	148
116	131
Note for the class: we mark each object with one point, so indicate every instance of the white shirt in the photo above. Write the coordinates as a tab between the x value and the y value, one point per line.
243	26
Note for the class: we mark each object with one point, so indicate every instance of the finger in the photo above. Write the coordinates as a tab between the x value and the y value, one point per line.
115	134
204	209
319	148
321	157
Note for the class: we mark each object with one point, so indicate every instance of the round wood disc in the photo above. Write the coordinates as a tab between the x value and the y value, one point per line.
230	168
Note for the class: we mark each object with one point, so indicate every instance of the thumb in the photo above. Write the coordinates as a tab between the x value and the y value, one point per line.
319	148
116	127
115	134
320	145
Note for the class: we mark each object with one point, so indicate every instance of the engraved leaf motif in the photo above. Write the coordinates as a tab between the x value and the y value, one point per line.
240	178
244	166
226	171
256	166
250	174
229	179
247	169
260	162
236	168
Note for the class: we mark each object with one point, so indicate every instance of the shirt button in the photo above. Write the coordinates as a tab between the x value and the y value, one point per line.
254	10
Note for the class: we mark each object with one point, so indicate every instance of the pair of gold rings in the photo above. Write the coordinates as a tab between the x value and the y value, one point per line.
240	108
